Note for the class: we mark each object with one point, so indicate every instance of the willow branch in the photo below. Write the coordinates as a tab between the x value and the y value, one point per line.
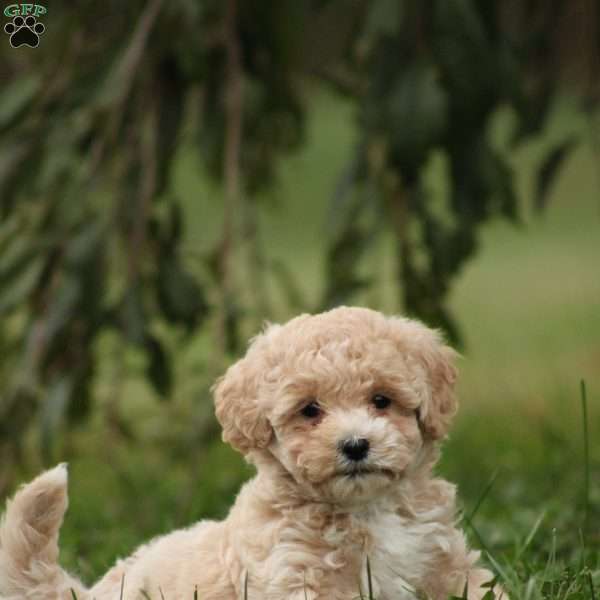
233	98
147	187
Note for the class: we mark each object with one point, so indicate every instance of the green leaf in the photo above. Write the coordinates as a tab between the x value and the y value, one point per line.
132	316
54	408
159	369
16	292
384	17
498	181
289	286
417	113
343	257
465	53
19	158
16	97
180	297
62	305
62	156
170	117
16	258
549	170
81	398
84	245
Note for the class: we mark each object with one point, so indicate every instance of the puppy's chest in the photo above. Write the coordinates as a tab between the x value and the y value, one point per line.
399	553
328	557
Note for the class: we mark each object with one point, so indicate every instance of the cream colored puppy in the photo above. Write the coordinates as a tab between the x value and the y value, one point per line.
341	413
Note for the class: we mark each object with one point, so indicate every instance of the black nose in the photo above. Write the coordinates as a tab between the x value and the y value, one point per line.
355	449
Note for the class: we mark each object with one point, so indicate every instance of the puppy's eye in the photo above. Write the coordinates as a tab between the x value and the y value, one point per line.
311	411
380	401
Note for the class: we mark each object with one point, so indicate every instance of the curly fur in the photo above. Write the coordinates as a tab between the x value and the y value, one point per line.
304	526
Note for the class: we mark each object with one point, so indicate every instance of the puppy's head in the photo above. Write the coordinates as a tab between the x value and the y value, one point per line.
343	400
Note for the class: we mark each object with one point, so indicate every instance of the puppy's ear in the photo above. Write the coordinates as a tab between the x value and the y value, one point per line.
438	363
441	405
238	410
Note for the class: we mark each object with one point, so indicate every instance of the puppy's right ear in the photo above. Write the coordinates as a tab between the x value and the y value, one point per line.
245	426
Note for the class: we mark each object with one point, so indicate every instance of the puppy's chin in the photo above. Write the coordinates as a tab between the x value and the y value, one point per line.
356	487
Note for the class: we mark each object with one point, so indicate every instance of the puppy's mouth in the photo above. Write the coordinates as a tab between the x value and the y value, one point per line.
359	472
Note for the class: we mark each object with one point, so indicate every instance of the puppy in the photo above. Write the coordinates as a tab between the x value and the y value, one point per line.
341	413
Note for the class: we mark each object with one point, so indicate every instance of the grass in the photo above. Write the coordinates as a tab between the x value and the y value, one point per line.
528	471
586	460
558	557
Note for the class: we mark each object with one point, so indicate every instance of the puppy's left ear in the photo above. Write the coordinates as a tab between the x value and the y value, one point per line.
441	405
437	360
238	409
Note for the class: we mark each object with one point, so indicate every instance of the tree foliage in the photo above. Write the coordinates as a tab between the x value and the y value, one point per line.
90	123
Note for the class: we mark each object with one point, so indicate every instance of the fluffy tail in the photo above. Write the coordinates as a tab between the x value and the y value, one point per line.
29	567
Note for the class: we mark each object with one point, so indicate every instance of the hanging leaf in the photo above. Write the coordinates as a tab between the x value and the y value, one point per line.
84	245
417	109
549	170
82	396
180	297
133	316
159	370
294	297
16	97
170	117
15	259
54	407
18	160
384	17
15	293
61	307
343	257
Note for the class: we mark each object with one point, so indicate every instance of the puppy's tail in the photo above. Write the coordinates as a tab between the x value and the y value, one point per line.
29	542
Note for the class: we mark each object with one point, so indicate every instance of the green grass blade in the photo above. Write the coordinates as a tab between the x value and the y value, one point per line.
476	533
591	584
551	562
369	580
122	587
586	458
73	594
581	565
498	568
483	495
531	535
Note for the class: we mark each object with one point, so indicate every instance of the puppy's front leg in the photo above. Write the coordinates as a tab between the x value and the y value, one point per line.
454	569
303	575
476	579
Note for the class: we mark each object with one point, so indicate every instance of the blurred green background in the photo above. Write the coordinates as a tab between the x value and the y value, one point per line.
173	175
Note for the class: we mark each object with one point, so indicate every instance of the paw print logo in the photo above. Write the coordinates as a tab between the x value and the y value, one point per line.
24	32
